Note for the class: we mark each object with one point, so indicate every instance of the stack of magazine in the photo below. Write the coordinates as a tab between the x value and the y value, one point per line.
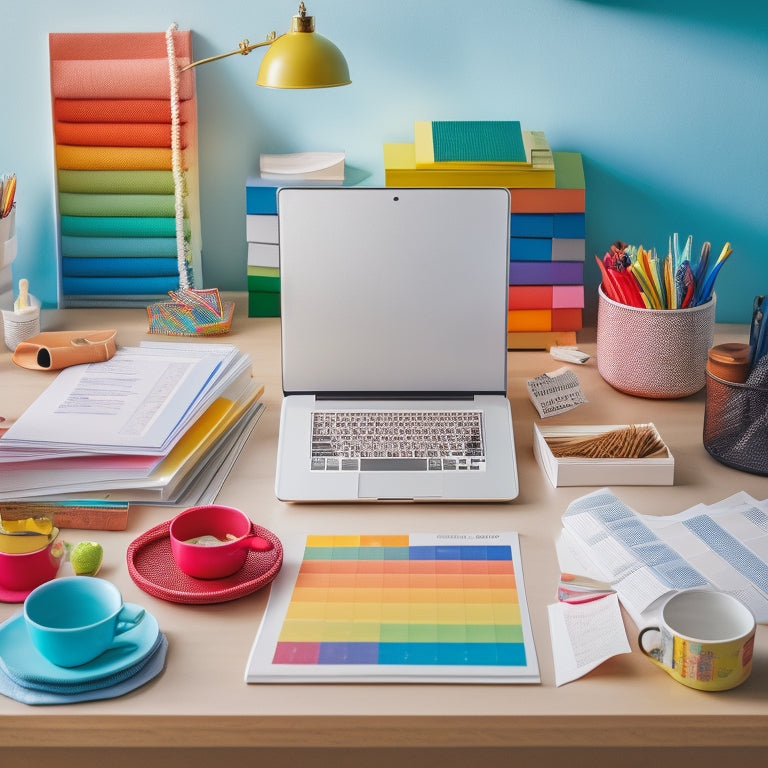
161	423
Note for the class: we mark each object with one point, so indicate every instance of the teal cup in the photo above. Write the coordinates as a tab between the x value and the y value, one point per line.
75	619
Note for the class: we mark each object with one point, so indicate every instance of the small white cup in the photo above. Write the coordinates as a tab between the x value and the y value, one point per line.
20	326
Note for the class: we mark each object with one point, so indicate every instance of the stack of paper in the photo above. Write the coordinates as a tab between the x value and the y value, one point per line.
157	423
646	558
328	166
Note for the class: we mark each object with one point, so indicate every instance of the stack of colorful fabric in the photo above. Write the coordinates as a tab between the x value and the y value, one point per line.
112	101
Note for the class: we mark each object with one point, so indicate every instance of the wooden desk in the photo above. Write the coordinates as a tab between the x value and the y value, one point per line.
200	712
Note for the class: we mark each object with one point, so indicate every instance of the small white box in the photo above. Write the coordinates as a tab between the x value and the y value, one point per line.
658	469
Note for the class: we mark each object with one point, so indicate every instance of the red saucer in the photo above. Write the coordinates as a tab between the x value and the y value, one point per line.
13	596
152	567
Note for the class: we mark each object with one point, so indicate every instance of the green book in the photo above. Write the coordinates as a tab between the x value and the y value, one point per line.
469	141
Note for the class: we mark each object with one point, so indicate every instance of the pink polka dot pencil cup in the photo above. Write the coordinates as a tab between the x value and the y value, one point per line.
656	318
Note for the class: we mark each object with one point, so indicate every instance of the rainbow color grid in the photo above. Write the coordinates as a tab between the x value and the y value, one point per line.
405	607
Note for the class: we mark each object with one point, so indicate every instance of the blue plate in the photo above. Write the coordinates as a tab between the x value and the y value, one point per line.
20	659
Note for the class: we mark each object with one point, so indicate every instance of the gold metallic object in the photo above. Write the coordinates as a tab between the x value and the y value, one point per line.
299	58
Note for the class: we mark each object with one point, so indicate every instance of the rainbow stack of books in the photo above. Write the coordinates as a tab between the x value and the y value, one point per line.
261	230
547	250
113	103
263	249
547	216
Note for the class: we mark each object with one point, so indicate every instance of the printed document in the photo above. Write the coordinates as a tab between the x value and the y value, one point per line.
723	546
140	401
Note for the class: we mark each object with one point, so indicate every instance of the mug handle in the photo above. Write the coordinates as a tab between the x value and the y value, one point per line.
648	654
258	543
129	617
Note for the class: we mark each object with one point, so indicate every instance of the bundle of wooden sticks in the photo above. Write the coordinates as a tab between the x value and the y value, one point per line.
631	442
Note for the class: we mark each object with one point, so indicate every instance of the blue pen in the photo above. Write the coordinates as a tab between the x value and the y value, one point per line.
709	283
700	271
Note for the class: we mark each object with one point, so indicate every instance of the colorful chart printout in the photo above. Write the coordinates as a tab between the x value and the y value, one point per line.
405	608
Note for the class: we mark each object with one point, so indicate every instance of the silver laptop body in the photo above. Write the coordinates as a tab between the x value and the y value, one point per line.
394	310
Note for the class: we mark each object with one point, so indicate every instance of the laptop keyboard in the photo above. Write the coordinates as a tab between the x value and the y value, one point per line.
368	440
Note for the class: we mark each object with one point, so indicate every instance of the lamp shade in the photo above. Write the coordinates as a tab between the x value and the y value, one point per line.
303	59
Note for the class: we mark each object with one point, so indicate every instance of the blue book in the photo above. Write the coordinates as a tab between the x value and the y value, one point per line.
261	193
530	249
569	225
532	224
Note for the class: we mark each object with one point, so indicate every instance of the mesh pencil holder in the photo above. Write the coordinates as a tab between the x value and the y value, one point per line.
736	425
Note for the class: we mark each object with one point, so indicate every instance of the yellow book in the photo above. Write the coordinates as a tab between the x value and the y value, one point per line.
400	170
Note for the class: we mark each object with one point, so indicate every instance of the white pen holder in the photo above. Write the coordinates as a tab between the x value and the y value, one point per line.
8	239
22	325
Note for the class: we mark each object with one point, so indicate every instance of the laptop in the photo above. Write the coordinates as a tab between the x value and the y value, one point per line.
394	345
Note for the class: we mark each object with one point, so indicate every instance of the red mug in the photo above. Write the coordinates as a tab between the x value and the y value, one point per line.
23	572
213	541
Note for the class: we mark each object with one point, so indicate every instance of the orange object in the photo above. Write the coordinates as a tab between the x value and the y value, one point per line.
53	350
729	362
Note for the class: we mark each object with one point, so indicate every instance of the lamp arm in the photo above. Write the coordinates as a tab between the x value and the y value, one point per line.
245	48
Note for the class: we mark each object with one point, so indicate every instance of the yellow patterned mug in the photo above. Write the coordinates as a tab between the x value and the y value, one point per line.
706	640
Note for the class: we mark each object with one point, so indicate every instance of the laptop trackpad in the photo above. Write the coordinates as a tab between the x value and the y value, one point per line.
399	485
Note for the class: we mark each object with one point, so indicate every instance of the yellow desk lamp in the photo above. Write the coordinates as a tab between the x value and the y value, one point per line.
300	58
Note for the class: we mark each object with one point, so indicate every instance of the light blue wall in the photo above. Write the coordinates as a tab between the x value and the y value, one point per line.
667	102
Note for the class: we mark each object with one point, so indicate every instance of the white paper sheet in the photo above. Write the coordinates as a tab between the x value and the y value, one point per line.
585	635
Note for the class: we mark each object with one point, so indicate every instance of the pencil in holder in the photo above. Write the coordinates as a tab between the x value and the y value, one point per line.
736	424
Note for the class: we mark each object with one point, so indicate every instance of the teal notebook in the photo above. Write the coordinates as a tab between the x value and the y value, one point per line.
497	141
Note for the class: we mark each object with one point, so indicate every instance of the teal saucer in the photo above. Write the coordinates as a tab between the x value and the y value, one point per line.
20	659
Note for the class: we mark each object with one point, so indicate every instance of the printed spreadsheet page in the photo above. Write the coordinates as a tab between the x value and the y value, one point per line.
412	608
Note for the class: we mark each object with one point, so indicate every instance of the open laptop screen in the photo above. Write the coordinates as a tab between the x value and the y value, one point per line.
387	290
